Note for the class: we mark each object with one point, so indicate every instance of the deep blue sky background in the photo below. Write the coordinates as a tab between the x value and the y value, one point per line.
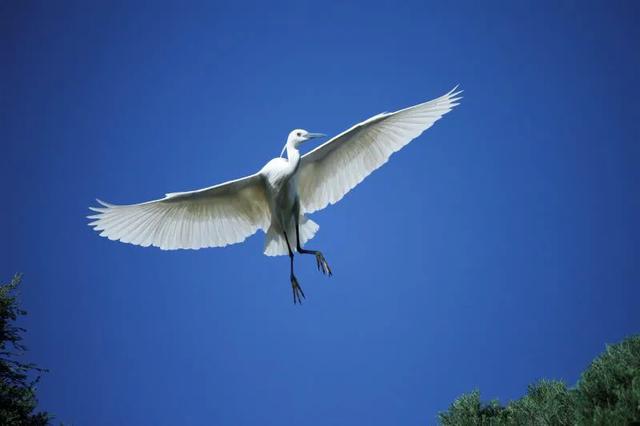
499	248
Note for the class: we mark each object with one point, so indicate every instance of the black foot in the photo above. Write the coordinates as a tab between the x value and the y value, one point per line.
323	266
297	291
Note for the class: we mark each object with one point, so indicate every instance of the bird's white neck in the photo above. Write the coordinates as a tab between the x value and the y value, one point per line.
293	155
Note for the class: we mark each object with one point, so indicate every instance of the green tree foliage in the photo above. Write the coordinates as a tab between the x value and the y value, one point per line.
17	379
608	393
469	410
547	402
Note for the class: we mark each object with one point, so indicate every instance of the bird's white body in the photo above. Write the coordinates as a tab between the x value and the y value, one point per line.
281	183
273	198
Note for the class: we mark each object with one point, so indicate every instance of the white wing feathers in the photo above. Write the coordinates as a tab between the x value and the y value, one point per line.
211	217
331	170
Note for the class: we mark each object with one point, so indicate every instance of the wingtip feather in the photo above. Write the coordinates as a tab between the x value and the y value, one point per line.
105	204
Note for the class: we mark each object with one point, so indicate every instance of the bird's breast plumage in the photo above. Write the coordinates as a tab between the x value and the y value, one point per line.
281	186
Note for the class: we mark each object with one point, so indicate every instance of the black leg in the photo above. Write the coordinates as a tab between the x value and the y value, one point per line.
321	262
295	286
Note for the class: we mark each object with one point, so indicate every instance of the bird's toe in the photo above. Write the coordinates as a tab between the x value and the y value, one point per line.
323	265
298	294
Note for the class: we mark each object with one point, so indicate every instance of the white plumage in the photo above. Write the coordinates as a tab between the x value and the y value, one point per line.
276	198
334	168
211	217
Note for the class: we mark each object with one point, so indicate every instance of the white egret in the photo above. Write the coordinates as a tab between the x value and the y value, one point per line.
277	198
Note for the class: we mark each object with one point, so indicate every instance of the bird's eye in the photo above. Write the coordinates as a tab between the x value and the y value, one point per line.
299	134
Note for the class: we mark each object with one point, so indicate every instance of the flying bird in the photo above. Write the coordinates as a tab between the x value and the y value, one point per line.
277	198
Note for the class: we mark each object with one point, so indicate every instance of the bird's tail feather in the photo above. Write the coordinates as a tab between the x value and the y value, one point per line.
275	244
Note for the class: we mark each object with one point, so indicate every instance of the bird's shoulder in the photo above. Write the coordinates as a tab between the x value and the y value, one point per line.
276	172
274	165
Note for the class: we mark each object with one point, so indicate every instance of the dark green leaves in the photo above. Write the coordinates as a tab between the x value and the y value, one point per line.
607	394
17	379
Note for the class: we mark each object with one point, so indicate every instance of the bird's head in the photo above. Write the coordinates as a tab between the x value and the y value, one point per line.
298	136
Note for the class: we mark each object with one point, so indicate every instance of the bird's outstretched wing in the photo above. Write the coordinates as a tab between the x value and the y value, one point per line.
211	217
331	170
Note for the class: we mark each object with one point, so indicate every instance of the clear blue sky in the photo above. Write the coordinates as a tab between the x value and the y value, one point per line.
499	248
